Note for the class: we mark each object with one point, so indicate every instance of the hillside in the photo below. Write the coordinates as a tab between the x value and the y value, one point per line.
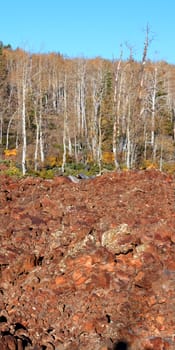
57	111
87	265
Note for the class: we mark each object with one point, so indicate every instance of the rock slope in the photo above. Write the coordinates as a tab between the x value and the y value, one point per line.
88	265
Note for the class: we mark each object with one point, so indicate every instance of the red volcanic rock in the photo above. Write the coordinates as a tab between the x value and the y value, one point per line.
89	264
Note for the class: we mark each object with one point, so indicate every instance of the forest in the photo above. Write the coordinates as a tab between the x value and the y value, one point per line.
57	112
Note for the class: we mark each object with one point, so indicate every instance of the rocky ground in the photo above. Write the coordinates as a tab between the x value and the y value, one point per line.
88	265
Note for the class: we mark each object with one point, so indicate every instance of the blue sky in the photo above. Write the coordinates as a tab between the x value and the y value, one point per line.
90	28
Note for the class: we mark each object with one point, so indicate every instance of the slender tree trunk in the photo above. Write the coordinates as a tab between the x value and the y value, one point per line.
70	146
128	158
78	108
24	143
161	156
1	127
75	149
41	138
96	119
95	131
144	58
36	142
99	155
64	127
8	129
153	108
117	101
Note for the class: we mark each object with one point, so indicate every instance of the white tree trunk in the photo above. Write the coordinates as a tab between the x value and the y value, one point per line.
36	142
24	143
153	108
117	101
41	138
99	154
64	127
128	157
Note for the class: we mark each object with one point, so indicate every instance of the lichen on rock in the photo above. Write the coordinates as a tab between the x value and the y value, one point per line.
119	240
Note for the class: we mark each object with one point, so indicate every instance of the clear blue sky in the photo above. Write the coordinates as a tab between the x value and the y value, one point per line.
89	28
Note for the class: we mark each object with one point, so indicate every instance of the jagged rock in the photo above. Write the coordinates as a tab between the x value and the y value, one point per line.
88	264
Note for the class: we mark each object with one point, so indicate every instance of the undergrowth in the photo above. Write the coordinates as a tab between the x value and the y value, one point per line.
13	169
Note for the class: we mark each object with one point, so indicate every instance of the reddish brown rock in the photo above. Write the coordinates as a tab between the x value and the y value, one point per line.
88	265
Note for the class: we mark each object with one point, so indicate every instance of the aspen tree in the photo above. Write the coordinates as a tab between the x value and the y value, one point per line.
117	103
65	124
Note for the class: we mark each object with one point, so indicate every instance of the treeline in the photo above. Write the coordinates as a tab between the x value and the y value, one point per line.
95	111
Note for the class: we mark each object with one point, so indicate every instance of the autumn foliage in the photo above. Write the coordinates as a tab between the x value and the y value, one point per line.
57	110
10	153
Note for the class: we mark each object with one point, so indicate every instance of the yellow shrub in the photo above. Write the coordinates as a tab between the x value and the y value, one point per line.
148	164
10	152
51	161
108	157
169	168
